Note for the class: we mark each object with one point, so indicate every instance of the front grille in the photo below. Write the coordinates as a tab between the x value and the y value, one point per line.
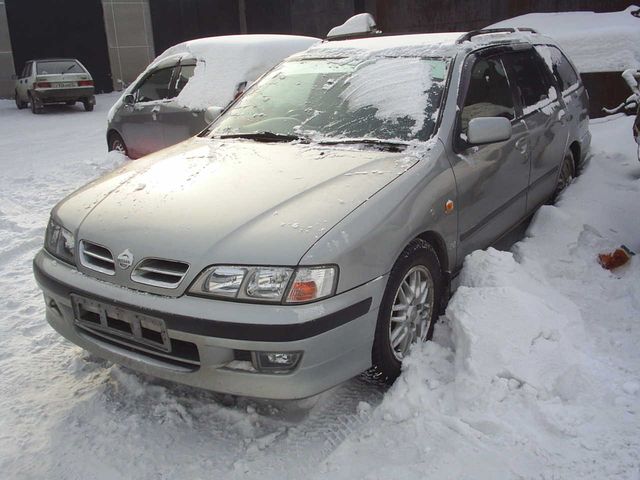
183	354
96	257
159	272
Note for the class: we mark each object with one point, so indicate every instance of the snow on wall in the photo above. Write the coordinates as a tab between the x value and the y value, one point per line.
596	42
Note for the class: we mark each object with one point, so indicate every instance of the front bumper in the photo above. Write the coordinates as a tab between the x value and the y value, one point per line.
335	335
53	95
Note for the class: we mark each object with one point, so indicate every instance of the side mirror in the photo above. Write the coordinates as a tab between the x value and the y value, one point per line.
211	113
128	99
488	130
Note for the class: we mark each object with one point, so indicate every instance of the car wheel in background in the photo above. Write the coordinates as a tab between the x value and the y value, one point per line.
88	106
19	103
116	143
566	175
35	108
409	308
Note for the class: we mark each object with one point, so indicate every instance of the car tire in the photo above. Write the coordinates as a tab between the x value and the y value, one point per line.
566	175
88	106
116	143
19	103
35	109
417	264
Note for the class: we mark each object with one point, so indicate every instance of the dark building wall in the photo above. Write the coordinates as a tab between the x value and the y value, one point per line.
396	16
272	16
60	28
175	21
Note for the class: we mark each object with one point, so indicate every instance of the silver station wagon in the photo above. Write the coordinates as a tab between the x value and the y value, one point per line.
313	230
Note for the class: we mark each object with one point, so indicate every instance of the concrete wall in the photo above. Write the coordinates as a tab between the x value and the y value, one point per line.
6	57
129	38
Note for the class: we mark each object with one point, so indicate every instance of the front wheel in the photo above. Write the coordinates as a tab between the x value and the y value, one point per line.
116	143
409	308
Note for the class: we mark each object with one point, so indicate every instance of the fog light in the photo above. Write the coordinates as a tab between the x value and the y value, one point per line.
276	362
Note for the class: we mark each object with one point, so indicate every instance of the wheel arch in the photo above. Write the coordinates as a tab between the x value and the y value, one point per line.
576	151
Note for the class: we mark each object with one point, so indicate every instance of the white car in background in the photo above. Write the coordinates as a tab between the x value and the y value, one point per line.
54	80
187	86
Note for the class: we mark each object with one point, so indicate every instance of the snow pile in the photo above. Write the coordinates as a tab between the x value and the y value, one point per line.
224	62
535	368
596	42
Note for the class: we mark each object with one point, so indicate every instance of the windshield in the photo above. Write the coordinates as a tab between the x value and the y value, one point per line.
380	98
58	67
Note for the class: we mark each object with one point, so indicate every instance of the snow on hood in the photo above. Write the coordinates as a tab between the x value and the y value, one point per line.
224	62
211	200
596	42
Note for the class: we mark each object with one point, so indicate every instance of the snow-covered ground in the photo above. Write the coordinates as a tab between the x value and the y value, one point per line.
534	371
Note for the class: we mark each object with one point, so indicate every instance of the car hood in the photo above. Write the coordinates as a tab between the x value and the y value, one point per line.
234	201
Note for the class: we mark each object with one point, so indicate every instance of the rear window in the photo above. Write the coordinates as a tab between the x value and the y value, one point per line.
54	67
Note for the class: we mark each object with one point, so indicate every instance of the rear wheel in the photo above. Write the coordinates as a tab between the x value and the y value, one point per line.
116	143
566	175
19	103
88	106
35	107
409	308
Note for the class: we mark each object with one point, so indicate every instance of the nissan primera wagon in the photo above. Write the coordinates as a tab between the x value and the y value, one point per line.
312	231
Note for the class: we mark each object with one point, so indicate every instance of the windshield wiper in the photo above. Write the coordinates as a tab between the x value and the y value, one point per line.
383	144
264	136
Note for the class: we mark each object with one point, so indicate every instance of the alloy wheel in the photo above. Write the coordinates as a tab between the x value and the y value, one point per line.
411	311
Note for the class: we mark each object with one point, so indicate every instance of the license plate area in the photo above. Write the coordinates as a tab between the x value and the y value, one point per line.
132	326
63	84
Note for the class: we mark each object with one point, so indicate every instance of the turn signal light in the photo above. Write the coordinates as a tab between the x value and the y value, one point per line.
303	292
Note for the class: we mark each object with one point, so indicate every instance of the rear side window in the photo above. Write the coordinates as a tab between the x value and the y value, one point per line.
186	72
488	94
55	67
156	86
562	70
26	71
528	78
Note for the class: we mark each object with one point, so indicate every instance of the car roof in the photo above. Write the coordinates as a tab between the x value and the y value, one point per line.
56	59
422	44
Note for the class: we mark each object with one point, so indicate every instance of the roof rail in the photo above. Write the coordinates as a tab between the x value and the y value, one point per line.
488	31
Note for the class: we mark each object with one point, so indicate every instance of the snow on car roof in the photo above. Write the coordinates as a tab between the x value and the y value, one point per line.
596	42
226	61
413	44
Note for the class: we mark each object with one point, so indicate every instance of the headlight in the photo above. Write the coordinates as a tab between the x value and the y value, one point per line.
59	242
266	284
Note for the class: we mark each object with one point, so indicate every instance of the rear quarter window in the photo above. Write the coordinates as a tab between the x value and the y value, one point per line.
559	65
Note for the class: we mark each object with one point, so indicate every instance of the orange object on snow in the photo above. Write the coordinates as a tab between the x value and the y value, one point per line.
615	259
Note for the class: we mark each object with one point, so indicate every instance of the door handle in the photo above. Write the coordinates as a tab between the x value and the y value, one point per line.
522	145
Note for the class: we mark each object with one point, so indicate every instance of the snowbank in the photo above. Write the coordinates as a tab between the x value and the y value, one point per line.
596	42
535	369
